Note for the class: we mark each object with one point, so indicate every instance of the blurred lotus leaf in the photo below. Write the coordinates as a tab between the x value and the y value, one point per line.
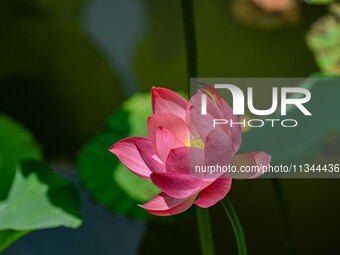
324	40
139	109
38	199
107	180
65	86
16	144
302	143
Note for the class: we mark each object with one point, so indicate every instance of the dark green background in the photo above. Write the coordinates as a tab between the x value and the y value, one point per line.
66	66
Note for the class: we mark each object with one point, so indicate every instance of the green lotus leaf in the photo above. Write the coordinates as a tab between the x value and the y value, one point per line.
16	144
38	199
324	40
108	181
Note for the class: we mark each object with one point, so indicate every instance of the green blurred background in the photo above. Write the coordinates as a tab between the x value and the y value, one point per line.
68	65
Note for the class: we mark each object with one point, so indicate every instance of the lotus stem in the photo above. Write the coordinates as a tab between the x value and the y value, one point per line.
236	225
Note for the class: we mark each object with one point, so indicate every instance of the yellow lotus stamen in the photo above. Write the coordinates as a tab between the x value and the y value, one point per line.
195	142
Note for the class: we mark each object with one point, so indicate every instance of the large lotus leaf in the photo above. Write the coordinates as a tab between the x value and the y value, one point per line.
16	144
38	199
108	181
103	175
324	40
54	72
226	48
301	143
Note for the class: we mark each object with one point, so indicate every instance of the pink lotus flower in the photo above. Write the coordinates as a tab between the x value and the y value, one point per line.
179	139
